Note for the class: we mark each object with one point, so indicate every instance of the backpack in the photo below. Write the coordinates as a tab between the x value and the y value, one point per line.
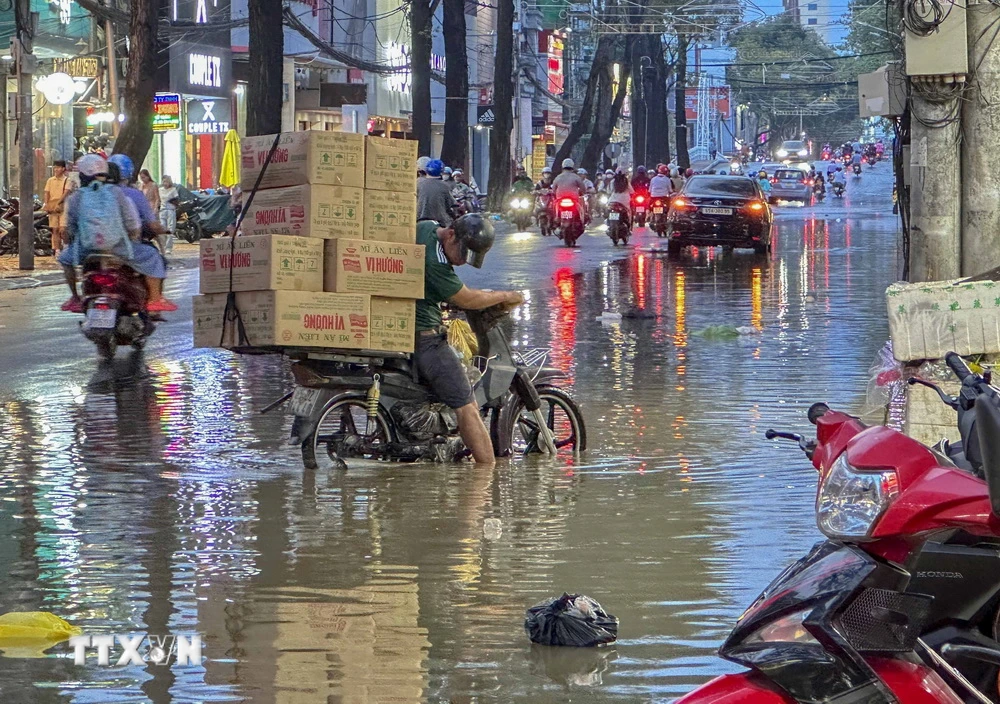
100	225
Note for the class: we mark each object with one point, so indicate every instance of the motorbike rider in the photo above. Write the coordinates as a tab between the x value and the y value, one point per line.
463	193
856	159
764	181
466	240
120	171
568	184
621	193
831	169
660	185
143	258
422	166
640	182
840	179
879	148
542	191
434	199
607	182
522	182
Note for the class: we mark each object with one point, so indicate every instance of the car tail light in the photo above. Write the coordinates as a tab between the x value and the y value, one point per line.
566	203
103	279
774	179
756	206
680	203
809	182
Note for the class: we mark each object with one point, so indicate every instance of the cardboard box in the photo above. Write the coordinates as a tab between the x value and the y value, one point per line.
310	156
326	212
260	263
285	319
393	324
390	269
391	164
390	216
928	319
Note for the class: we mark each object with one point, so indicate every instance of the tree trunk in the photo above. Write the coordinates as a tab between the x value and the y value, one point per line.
608	110
455	149
659	144
503	97
640	110
267	47
581	126
420	73
137	132
680	114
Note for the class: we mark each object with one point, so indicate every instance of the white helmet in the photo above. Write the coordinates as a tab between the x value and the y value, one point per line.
568	164
609	172
422	163
92	165
581	172
547	170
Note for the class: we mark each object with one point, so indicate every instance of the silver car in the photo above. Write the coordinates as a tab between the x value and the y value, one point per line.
790	184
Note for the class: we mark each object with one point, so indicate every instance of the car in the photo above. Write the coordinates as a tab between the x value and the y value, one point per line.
791	150
730	211
790	184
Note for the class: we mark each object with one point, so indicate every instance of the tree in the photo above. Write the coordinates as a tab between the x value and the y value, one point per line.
137	133
602	60
267	46
680	110
421	12
456	81
503	97
608	108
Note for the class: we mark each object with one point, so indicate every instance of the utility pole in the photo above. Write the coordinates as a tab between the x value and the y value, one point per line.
109	39
25	22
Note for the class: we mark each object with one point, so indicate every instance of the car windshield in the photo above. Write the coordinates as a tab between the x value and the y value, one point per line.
794	146
789	174
731	186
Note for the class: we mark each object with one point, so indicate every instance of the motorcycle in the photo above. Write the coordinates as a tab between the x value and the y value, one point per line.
349	407
838	189
10	225
619	229
543	211
825	155
658	217
818	188
201	216
519	211
857	170
114	305
900	603
601	210
570	220
640	201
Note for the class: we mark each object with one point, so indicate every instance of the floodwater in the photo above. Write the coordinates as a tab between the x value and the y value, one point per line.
153	497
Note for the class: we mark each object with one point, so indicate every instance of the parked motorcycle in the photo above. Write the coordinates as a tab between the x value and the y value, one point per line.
658	215
619	229
570	220
902	602
348	408
519	210
114	305
543	211
640	203
201	216
10	220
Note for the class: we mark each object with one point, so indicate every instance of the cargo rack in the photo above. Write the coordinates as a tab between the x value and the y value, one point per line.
330	354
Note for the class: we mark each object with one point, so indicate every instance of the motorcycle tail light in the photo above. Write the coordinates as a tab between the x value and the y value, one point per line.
640	199
566	203
103	279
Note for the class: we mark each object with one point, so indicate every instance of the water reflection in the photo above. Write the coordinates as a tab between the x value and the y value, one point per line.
156	498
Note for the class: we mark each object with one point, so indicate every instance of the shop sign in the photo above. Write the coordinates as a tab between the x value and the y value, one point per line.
485	115
202	67
208	116
166	112
79	67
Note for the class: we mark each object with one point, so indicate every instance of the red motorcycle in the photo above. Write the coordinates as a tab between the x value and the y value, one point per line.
114	305
568	211
640	205
658	218
902	603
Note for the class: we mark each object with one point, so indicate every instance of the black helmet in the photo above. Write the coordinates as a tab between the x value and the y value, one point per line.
114	172
475	234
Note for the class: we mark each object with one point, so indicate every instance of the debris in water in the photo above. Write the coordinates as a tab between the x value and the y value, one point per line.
571	619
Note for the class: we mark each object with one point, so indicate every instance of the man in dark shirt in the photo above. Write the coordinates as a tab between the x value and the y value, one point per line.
434	199
465	241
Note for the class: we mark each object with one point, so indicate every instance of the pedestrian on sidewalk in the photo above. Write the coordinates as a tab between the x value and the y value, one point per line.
57	187
169	200
149	189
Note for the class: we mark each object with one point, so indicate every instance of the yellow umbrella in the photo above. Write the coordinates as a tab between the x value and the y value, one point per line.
230	175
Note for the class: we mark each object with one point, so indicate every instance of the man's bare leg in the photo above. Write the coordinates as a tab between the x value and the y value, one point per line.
474	434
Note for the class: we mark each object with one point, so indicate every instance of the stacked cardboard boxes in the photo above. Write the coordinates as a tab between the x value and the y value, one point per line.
327	254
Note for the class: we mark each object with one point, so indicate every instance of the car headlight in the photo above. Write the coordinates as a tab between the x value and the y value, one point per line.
782	153
803	152
849	500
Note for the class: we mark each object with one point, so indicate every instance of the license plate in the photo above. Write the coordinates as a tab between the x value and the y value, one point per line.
566	215
790	183
717	211
102	318
640	210
613	216
304	400
657	211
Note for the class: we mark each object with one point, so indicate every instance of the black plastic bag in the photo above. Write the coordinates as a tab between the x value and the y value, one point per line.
572	619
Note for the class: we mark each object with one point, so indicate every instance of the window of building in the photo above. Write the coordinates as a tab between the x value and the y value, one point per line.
812	6
812	20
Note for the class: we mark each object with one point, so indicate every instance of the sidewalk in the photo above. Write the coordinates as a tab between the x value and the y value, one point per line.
47	271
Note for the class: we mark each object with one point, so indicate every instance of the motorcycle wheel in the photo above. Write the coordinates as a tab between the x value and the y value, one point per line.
342	423
191	232
517	434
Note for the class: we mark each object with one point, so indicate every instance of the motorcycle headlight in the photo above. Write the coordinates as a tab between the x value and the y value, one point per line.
782	153
788	629
849	500
604	199
803	152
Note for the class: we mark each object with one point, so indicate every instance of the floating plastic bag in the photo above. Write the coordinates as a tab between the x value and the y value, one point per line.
461	337
571	619
28	634
718	332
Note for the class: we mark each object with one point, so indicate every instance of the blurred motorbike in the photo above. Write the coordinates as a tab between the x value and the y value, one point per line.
618	224
543	211
114	305
10	227
519	210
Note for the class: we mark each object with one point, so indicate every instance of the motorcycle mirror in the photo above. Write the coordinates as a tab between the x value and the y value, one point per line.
988	431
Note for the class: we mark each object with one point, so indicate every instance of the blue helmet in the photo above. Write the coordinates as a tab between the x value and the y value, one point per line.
434	167
124	164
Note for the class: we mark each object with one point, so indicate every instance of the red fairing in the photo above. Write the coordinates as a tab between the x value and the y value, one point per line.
744	688
833	431
912	683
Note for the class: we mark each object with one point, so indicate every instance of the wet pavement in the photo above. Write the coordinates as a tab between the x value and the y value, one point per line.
151	496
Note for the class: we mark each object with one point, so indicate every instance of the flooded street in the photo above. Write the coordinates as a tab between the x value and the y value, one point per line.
151	496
